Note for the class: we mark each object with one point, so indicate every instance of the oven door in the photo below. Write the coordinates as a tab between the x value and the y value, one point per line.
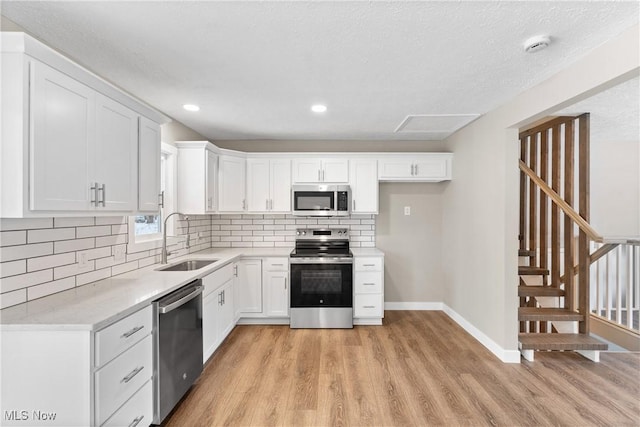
320	282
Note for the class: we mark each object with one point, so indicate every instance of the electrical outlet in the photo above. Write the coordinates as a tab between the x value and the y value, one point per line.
82	260
407	210
118	254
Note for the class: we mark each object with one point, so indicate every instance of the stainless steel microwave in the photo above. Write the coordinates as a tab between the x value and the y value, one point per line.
321	200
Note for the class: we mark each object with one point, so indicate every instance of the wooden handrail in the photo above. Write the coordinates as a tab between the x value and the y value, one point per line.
596	255
568	210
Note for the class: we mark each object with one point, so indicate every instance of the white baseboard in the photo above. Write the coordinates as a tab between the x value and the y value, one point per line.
506	356
423	306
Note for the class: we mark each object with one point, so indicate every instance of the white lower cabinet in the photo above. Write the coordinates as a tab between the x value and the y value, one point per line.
368	290
249	285
218	313
276	287
138	411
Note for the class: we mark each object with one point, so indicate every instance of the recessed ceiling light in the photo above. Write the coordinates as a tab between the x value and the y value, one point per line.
534	44
318	108
191	107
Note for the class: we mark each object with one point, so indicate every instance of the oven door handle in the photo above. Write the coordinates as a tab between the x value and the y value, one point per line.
326	260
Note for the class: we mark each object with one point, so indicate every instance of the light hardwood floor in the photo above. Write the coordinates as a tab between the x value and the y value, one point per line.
419	369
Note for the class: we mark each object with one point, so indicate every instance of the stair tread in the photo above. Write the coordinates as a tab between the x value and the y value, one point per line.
541	341
539	291
526	252
525	270
547	314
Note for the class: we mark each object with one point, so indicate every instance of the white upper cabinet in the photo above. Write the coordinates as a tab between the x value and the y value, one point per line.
427	167
70	141
148	166
232	184
197	177
313	170
63	123
268	185
363	179
116	155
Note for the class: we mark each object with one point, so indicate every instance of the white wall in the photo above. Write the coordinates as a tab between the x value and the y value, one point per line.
480	225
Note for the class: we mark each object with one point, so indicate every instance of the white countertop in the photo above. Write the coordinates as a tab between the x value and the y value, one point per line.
96	305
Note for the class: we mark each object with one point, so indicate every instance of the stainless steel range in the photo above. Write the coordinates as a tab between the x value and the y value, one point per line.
321	279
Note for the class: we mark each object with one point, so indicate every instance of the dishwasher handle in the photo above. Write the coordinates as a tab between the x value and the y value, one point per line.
173	305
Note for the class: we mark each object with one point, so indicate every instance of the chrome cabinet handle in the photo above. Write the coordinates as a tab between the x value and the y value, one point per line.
271	204
132	374
416	170
161	199
368	284
285	283
266	206
131	332
278	264
368	265
136	421
219	298
103	189
411	170
319	175
368	306
223	298
235	270
354	204
323	175
94	188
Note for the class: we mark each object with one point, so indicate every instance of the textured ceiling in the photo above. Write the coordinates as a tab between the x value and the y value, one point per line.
614	113
256	67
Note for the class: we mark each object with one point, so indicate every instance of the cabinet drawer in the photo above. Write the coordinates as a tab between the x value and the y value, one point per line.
138	411
216	279
114	339
120	379
368	264
276	264
367	305
368	282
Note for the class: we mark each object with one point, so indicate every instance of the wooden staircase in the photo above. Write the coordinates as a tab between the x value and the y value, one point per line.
554	239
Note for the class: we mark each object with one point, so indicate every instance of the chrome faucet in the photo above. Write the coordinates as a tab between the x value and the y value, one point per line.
164	252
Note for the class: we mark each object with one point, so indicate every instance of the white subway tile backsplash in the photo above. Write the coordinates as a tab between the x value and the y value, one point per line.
20	281
50	261
11	253
10	238
49	288
12	268
73	222
12	298
8	224
98	230
74	245
50	235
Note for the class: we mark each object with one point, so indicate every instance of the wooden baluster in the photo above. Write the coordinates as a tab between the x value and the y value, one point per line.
523	197
583	241
569	141
544	174
533	224
555	211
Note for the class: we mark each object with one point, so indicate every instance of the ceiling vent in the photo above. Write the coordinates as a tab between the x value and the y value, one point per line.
441	124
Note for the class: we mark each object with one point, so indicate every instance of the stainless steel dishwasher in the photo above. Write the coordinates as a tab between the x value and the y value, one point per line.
178	346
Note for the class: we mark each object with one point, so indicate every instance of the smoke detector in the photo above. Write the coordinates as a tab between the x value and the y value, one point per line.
537	43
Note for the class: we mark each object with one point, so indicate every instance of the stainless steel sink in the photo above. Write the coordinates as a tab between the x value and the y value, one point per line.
188	265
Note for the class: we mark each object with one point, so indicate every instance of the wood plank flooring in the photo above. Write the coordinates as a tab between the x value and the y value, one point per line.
419	369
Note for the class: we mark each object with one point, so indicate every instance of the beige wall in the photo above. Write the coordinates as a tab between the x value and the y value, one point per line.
480	222
176	131
615	187
8	25
412	244
329	146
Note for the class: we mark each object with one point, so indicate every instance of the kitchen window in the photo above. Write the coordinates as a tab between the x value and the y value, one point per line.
145	231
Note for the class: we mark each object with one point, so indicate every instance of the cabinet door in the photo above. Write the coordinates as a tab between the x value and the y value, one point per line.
211	181
307	170
232	184
335	170
116	155
62	134
432	168
395	169
226	320
250	286
276	289
149	166
280	182
210	305
364	186
258	194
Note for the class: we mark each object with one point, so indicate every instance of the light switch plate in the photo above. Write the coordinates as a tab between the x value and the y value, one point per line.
407	210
